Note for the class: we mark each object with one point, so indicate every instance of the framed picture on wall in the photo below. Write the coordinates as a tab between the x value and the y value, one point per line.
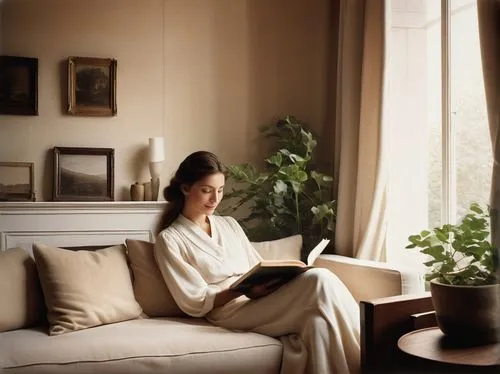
83	174
18	85
17	181
92	86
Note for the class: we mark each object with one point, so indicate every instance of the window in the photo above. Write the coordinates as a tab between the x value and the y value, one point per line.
440	149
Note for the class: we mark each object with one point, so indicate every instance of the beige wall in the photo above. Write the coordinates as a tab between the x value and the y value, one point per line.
1	29
202	73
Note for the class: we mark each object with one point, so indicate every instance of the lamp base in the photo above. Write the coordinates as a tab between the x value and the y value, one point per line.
154	169
155	188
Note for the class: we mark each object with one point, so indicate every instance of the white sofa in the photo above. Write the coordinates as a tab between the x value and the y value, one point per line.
167	341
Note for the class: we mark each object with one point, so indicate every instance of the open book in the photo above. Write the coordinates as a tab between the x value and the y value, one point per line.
280	270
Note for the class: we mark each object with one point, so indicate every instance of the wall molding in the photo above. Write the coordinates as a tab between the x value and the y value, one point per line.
54	207
76	223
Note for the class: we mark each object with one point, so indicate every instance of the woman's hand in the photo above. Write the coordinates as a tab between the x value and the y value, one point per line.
225	296
262	290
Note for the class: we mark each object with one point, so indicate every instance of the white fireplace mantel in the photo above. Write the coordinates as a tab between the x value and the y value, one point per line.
70	224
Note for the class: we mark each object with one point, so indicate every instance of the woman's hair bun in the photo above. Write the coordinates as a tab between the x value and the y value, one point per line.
172	192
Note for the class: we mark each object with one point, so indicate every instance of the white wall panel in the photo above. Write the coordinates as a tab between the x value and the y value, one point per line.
70	224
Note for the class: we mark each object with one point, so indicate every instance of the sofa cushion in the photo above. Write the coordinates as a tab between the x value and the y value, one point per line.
22	299
174	345
287	248
85	288
150	289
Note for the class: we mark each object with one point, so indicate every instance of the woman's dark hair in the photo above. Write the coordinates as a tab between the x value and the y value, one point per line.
195	167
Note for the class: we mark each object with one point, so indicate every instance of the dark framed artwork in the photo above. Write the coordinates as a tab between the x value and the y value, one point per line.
17	181
83	174
92	86
18	85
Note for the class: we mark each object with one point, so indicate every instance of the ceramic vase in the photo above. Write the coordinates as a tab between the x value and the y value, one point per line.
137	192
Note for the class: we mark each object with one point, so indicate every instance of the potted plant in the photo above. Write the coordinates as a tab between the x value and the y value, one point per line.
462	274
288	195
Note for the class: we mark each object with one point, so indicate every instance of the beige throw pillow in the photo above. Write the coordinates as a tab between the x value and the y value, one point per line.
85	288
150	288
21	297
287	248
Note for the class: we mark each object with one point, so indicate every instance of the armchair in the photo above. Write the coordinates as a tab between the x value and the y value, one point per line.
369	280
392	302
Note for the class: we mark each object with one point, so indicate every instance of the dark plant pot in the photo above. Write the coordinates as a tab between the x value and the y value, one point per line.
469	314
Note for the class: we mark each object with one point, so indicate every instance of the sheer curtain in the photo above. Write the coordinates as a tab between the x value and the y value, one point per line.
489	35
361	167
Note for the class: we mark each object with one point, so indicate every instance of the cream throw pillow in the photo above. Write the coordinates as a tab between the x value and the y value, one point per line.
85	288
150	288
287	248
20	293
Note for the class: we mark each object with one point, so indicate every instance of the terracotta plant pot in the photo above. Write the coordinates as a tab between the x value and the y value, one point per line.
469	314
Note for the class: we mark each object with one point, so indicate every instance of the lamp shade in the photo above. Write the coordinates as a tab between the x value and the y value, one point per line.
156	150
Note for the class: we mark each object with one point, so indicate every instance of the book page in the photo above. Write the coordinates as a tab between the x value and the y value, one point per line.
316	251
273	263
284	270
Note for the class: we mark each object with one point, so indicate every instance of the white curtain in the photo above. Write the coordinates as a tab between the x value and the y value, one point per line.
489	34
361	167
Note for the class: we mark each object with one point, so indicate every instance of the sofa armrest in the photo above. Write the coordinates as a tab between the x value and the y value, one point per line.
369	280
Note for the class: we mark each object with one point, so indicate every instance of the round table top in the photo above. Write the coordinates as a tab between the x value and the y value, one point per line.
432	344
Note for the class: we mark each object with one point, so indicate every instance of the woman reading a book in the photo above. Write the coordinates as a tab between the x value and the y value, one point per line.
201	254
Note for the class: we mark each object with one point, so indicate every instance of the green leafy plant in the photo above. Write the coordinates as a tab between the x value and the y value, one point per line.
289	196
462	254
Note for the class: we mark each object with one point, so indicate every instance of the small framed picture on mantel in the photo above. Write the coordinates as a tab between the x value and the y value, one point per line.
17	181
83	174
92	86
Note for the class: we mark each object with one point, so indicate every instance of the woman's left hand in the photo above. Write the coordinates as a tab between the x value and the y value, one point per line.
262	290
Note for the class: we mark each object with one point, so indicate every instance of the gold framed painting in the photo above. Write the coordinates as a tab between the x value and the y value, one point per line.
17	181
92	86
83	174
18	85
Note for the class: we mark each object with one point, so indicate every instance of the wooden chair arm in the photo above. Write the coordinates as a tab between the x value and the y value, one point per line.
384	321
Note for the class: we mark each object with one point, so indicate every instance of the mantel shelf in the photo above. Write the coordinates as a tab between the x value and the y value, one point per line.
70	223
22	207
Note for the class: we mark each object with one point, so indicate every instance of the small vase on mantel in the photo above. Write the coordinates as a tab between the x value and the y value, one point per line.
137	191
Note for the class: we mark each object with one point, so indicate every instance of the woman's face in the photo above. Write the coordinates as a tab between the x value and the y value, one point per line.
204	196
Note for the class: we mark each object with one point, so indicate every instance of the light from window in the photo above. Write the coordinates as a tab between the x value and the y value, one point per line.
415	118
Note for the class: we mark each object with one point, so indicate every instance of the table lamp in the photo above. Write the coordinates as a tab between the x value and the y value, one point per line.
156	157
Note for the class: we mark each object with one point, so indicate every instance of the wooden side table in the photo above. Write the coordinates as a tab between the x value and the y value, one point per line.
433	347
